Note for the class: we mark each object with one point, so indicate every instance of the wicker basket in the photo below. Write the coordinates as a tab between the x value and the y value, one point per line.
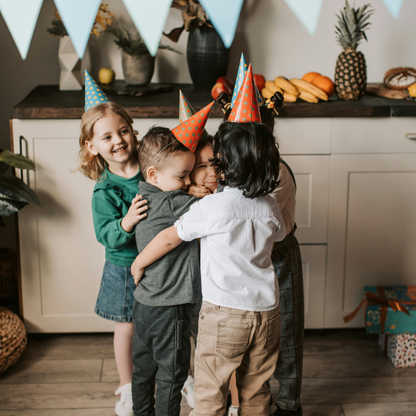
8	277
12	338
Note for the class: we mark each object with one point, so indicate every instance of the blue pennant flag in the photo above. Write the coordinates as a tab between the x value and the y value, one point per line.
224	15
307	11
149	18
21	17
394	7
78	17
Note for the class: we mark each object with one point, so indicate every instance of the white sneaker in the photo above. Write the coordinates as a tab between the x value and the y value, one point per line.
233	410
124	406
188	391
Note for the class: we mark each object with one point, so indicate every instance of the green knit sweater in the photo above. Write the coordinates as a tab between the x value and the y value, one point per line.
111	201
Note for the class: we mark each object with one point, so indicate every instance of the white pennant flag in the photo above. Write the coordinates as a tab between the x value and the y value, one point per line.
394	7
78	17
21	17
224	15
149	18
307	11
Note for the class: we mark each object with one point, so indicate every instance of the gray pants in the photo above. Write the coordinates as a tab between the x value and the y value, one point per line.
161	355
287	263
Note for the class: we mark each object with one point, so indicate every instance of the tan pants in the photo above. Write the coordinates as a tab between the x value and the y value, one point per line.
234	339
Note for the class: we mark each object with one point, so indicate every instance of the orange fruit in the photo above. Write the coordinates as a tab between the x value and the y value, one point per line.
324	83
310	76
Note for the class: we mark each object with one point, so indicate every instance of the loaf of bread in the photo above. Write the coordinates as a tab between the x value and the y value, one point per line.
400	78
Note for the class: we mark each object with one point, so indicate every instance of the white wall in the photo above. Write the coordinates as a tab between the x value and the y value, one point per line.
268	33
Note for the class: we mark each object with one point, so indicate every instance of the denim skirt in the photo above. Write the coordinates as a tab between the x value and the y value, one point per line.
115	299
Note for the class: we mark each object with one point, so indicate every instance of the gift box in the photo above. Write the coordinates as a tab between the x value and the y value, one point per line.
388	309
401	349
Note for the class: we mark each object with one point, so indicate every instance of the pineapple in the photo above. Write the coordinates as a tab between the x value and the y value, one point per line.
350	71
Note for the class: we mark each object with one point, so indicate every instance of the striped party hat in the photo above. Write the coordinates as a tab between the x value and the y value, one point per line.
93	93
189	132
246	107
186	111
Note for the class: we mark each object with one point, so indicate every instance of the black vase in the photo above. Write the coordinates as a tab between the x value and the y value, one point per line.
207	57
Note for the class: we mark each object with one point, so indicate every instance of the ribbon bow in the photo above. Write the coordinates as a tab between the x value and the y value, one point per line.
371	298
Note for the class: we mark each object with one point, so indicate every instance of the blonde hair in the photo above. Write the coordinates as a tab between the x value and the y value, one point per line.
92	166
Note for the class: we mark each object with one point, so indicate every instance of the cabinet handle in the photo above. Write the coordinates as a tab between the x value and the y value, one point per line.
23	140
410	136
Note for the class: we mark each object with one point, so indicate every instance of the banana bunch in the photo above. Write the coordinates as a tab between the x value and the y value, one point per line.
294	89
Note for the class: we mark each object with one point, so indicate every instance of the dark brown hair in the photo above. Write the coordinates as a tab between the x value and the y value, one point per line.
246	157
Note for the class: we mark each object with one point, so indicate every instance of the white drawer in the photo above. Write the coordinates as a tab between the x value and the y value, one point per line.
307	136
374	135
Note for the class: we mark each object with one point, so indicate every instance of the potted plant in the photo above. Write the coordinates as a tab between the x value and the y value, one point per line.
71	76
138	64
14	195
207	56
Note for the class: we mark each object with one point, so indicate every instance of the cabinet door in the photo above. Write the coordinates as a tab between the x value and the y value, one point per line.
61	261
314	268
372	224
312	179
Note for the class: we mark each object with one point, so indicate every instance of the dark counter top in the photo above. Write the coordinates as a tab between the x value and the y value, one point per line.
47	102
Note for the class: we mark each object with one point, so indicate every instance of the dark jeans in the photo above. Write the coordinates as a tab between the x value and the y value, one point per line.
287	263
161	354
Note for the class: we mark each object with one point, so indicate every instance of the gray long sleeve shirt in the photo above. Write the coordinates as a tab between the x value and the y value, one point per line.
175	278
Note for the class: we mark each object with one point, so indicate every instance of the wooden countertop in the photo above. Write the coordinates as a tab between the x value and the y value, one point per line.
47	102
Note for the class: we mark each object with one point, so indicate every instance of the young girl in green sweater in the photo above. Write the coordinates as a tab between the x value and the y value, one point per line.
108	154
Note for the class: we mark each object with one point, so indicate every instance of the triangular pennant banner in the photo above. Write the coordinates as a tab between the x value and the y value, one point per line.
78	17
149	18
307	11
21	17
224	15
394	7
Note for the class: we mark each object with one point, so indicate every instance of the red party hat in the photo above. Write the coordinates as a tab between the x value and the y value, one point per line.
189	132
246	106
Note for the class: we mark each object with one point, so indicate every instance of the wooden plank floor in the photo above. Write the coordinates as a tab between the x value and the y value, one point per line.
345	374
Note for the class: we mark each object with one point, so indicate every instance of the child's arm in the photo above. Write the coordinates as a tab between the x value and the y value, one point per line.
107	218
134	214
164	242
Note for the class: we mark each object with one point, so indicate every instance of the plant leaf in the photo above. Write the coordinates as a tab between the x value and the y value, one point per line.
15	189
174	34
16	160
3	167
9	207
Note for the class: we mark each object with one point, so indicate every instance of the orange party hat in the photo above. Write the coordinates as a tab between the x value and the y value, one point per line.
246	106
189	132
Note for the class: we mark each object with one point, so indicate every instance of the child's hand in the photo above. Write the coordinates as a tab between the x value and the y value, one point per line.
137	271
134	215
198	191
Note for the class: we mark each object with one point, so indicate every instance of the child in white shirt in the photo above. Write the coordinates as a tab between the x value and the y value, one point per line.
239	325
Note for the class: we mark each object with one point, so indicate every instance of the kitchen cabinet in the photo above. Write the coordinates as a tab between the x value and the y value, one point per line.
356	179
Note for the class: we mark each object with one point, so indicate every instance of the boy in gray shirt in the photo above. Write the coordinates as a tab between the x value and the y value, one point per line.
170	286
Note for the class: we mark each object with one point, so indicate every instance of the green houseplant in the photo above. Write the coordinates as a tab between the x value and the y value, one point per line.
14	193
138	64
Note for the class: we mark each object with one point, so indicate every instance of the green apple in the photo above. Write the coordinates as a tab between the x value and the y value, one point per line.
106	75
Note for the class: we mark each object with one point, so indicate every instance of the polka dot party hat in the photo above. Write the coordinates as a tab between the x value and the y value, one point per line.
93	93
241	73
189	132
186	111
246	106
